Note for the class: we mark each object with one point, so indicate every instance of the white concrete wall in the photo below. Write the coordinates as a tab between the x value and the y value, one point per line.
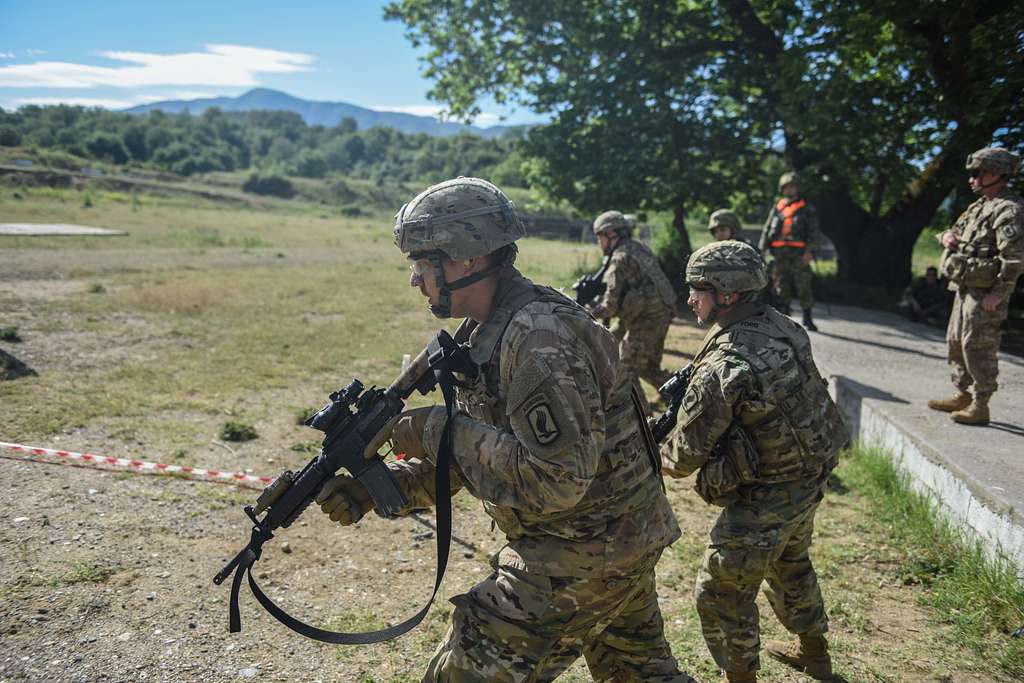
999	534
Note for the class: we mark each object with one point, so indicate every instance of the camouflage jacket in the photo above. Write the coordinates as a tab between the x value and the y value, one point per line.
637	287
756	410
548	438
804	228
992	228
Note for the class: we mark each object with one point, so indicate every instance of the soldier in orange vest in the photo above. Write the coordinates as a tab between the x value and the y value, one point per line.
791	236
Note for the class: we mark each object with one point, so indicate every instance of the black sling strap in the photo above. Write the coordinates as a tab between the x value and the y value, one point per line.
443	506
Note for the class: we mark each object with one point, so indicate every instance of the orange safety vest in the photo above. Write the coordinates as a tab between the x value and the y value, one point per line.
788	211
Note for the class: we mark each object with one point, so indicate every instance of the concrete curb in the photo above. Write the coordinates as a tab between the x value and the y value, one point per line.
965	501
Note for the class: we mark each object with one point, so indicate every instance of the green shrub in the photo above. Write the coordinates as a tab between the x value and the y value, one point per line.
237	431
272	184
9	334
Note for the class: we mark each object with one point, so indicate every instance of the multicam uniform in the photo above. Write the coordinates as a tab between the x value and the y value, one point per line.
758	423
988	259
548	438
640	296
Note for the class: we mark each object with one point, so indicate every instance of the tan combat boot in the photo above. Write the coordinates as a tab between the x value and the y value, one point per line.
974	414
810	656
746	677
948	405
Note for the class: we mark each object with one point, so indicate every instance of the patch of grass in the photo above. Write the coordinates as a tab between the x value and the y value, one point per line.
96	288
303	414
173	297
980	597
306	447
234	430
86	572
9	334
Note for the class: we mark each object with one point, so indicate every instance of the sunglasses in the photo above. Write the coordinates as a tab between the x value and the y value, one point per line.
974	173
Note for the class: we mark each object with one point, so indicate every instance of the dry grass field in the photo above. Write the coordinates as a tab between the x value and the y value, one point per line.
146	345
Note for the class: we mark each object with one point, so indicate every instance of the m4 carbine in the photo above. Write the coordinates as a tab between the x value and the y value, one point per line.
350	422
674	388
590	288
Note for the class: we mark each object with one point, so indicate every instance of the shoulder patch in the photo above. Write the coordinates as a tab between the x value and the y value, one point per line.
542	422
1010	231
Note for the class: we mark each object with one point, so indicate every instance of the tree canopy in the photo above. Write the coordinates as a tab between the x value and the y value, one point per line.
696	105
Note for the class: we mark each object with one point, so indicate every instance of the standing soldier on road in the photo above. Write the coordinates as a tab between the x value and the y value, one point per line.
984	255
724	225
791	235
758	423
639	295
549	436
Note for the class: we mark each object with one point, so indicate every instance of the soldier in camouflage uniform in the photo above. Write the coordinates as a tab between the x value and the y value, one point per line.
984	255
758	423
549	437
639	295
724	225
791	235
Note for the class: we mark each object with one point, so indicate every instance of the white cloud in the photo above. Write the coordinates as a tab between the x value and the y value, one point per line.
218	66
78	101
6	55
31	52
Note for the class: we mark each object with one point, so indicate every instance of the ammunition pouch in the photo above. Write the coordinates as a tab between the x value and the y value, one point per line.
971	267
733	463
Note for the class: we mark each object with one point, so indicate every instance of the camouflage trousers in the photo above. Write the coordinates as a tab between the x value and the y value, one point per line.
973	338
789	273
523	627
641	346
765	538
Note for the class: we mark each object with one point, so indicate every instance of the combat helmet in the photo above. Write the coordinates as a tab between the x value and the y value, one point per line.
723	218
612	223
994	160
462	218
787	178
729	267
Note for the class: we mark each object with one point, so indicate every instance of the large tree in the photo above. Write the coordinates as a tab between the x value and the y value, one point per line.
684	104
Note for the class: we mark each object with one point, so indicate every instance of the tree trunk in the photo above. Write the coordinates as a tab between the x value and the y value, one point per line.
870	250
679	223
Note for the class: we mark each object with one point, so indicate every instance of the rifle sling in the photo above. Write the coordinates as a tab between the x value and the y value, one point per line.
443	505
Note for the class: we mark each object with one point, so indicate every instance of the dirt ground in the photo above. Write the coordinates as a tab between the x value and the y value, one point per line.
107	575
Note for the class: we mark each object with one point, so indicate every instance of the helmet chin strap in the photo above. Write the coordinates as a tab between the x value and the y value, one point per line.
443	308
985	186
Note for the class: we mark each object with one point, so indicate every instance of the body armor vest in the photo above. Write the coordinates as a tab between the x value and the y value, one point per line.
974	261
790	429
624	480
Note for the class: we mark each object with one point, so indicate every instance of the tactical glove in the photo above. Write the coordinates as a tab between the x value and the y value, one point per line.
345	500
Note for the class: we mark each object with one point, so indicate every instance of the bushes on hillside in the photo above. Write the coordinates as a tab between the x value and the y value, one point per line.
270	184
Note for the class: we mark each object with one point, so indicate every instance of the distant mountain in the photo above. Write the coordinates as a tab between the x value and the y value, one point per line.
319	113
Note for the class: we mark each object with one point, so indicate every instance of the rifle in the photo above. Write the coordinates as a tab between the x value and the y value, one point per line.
349	422
675	387
591	287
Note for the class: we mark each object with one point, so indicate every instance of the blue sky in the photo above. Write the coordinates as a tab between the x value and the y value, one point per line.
118	54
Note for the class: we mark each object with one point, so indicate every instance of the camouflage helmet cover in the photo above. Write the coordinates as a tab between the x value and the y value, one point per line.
723	218
463	217
994	160
787	178
729	266
611	221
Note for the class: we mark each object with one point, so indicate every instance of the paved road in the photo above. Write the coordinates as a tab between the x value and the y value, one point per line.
887	369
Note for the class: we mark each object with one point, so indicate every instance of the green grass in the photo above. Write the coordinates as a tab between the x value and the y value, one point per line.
981	598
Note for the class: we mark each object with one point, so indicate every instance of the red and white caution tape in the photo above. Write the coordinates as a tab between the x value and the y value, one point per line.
139	465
